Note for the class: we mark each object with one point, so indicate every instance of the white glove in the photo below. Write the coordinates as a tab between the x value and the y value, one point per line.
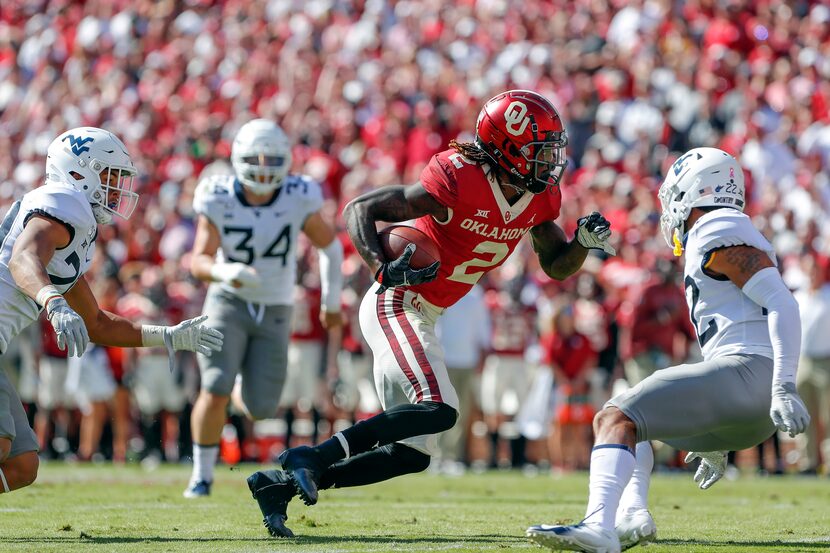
69	326
593	232
787	410
711	468
235	274
189	335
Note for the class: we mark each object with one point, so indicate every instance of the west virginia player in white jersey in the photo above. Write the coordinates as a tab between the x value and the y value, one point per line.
245	246
48	239
748	328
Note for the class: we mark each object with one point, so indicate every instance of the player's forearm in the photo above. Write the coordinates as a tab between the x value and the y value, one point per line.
360	224
28	272
110	329
566	261
200	267
767	289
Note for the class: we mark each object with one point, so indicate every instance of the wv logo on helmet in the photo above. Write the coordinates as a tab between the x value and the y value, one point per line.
78	144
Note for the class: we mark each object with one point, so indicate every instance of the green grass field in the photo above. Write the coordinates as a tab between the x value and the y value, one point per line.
102	508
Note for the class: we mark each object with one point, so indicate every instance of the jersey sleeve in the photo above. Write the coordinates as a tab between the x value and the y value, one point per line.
554	202
204	198
313	196
62	203
728	230
439	179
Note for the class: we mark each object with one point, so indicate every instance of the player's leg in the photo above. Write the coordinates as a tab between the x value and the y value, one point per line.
634	523
18	471
218	372
18	443
265	365
399	327
492	388
264	371
676	405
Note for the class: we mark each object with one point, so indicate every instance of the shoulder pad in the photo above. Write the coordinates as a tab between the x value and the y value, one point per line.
62	202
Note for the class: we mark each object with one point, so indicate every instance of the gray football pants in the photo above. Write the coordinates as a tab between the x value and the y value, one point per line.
717	405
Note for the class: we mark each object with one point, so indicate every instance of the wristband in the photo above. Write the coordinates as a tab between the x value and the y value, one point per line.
47	293
152	335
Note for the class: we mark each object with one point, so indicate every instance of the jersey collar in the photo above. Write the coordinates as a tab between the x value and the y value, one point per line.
509	213
240	195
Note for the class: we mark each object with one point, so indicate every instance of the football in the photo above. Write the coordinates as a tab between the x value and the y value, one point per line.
395	238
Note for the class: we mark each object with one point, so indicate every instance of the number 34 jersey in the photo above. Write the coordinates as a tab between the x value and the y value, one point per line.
70	207
725	319
262	236
482	228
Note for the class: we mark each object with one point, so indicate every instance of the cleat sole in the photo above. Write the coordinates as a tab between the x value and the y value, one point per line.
303	481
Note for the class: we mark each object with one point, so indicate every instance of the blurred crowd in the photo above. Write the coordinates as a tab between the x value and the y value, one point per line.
369	91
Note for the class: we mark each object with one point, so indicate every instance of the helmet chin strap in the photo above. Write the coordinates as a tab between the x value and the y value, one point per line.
102	215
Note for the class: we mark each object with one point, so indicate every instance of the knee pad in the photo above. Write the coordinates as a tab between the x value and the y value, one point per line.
261	410
442	416
410	459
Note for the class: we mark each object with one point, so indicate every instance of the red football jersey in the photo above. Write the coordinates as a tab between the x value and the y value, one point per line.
482	229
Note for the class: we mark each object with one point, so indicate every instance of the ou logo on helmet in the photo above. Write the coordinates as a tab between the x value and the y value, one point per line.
516	117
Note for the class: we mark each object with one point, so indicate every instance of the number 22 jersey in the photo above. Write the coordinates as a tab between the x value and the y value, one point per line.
725	319
262	236
482	228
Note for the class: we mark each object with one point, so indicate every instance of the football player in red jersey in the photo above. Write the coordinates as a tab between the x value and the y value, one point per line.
476	200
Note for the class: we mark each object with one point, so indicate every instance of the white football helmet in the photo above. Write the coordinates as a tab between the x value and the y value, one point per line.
702	177
261	155
95	162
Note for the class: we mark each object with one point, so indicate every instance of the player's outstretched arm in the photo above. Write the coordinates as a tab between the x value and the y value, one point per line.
754	273
109	329
391	204
105	328
558	257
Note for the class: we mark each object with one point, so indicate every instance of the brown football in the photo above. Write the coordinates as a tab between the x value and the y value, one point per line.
395	238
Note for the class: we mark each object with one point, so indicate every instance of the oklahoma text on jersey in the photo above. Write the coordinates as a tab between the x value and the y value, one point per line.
481	229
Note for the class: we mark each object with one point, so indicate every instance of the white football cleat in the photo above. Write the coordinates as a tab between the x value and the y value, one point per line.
590	538
635	527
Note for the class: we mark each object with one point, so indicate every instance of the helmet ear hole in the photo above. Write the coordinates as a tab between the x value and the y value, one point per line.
77	176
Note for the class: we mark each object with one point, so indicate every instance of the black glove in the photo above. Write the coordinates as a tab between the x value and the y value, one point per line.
399	273
593	232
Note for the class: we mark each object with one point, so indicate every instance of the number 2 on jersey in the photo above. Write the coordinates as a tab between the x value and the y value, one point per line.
711	329
498	250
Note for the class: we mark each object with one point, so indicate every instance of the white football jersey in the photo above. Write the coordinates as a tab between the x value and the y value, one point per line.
262	236
62	203
726	320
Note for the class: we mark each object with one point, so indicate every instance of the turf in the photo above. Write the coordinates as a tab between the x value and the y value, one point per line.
93	509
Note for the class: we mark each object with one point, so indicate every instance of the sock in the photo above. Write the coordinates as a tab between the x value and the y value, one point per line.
635	494
204	459
393	425
517	452
611	469
289	427
380	464
494	449
3	481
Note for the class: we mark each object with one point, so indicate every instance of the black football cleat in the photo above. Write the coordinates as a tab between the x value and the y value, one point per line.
304	465
273	489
